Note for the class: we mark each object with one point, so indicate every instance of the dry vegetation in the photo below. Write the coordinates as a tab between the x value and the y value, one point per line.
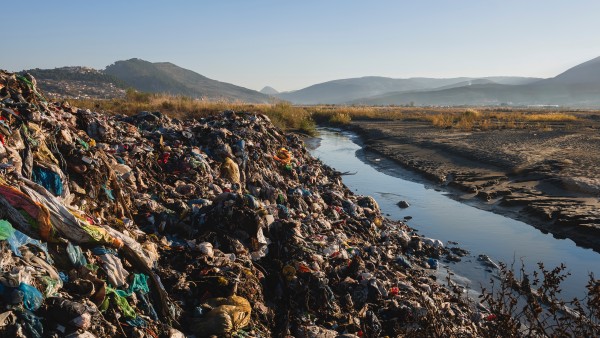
303	118
282	114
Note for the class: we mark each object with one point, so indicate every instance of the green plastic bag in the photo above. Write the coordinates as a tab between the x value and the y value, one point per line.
6	230
140	283
121	302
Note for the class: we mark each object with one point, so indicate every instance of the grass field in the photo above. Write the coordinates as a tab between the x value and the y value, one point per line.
304	118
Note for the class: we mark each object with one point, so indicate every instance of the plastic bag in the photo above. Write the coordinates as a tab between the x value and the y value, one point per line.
6	230
48	179
231	171
52	286
283	156
227	315
32	298
139	283
76	255
114	269
68	312
18	239
121	302
32	324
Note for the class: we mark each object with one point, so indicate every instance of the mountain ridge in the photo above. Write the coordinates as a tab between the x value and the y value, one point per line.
166	77
348	90
159	77
578	86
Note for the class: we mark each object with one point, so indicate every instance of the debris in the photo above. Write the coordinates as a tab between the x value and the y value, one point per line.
225	315
487	261
148	226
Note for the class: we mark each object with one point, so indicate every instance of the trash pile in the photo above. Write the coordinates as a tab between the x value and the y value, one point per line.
148	226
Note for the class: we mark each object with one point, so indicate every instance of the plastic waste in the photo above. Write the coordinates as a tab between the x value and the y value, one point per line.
32	298
18	239
206	248
6	230
161	217
76	255
48	179
283	156
433	263
117	275
67	312
138	284
120	301
226	315
231	171
403	261
37	215
32	324
52	286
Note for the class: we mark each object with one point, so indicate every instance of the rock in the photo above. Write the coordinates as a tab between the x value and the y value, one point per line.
403	204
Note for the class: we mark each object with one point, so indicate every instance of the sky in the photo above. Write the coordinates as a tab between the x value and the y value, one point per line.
293	44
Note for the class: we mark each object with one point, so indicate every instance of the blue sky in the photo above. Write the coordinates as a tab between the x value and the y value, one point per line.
293	44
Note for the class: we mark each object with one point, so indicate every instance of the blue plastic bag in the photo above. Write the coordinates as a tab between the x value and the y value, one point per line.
18	239
76	255
433	263
48	179
32	298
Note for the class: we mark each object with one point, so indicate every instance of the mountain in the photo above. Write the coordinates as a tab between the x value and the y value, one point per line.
477	94
267	90
577	87
345	90
512	80
585	73
77	83
165	77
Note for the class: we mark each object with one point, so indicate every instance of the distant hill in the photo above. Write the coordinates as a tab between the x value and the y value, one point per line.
577	87
477	94
165	77
78	83
343	91
269	91
161	77
585	73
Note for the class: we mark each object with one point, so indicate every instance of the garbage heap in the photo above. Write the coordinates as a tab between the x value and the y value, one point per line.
147	226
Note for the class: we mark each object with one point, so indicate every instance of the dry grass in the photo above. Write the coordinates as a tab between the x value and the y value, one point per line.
303	118
340	118
282	114
485	120
443	120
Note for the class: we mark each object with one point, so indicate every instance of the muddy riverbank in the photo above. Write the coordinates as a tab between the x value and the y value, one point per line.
547	177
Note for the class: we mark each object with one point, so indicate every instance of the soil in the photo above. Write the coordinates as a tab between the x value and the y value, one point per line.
547	176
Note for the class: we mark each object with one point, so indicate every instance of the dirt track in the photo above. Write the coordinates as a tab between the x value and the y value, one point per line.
548	176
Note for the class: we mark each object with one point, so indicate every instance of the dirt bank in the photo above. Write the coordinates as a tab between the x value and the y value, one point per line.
548	176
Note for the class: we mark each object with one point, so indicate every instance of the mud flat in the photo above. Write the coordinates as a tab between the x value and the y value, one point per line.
548	177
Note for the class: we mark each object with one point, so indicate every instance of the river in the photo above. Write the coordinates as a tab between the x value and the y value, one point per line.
436	214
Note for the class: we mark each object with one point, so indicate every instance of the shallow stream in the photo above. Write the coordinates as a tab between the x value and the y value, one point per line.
436	214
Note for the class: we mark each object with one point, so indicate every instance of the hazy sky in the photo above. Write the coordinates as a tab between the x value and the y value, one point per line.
293	44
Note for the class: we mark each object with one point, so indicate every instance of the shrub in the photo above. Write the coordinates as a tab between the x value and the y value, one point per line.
340	118
442	120
135	96
530	305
